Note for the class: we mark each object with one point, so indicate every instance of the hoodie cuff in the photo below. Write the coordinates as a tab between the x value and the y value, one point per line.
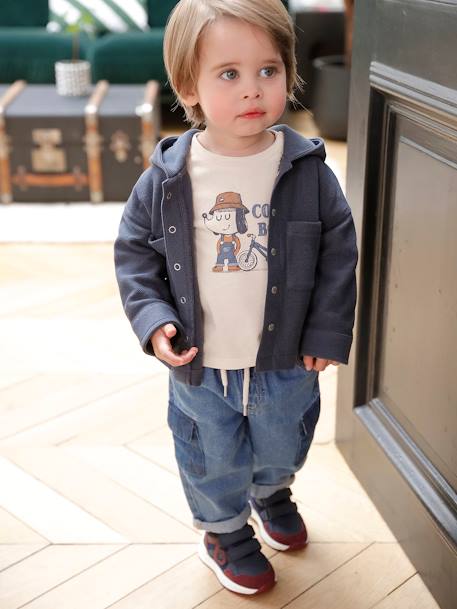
326	345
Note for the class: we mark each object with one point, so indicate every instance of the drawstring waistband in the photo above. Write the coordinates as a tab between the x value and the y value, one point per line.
246	377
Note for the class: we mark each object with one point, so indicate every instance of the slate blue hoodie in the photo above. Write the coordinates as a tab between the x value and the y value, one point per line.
312	255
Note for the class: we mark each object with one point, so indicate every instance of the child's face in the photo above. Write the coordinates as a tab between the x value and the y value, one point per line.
240	71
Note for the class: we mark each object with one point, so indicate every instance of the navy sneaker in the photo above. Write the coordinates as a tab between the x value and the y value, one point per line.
280	524
237	561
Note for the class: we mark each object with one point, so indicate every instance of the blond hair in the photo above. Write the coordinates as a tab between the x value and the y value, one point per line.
184	29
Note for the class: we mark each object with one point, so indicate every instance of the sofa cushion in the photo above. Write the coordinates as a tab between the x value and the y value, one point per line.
30	53
132	57
24	13
107	15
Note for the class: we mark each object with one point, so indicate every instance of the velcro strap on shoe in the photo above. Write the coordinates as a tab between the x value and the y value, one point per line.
243	549
278	509
280	495
228	539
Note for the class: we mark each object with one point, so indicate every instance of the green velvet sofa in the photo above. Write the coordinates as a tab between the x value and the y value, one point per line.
28	50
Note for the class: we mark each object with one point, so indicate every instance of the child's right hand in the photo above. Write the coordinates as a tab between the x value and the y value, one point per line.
163	350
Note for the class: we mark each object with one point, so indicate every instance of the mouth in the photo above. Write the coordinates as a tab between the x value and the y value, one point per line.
253	114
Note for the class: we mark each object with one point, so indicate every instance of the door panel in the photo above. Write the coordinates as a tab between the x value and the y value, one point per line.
397	399
417	366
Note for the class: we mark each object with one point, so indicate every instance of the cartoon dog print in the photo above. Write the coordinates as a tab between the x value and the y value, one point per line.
227	218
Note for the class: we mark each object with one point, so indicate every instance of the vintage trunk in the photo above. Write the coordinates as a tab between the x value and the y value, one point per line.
58	149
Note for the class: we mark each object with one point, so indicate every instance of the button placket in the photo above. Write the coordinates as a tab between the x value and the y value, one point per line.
274	289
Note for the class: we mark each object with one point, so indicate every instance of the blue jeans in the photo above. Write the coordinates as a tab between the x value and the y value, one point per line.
224	457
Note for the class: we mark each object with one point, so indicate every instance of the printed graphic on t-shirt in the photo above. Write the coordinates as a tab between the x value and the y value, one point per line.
227	220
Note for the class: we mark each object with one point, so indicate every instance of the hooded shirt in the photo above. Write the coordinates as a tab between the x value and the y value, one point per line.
309	303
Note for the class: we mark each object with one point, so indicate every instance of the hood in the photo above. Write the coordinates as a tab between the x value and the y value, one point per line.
171	152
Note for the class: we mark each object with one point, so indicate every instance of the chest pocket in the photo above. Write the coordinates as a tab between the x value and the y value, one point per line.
302	251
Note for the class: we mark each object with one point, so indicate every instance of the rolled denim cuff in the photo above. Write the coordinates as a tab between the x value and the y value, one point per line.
262	491
225	526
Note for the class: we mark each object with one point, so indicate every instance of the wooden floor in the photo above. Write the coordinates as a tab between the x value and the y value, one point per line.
92	513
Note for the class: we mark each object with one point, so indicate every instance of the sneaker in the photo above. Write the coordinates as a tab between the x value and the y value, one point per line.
237	561
280	524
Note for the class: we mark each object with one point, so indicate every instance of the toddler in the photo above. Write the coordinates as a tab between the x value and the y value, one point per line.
235	261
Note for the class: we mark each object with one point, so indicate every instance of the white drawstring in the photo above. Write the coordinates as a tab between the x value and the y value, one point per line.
246	379
224	381
245	391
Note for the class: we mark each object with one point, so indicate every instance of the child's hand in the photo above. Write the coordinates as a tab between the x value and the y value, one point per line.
317	363
163	350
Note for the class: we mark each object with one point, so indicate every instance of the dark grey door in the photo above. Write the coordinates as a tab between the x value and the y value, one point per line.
397	400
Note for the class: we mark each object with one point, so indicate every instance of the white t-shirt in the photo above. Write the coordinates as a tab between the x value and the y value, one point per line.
231	209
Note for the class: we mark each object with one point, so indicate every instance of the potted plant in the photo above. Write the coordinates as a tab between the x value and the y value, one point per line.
331	85
73	77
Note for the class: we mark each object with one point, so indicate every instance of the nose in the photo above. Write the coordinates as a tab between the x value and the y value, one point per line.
252	89
254	94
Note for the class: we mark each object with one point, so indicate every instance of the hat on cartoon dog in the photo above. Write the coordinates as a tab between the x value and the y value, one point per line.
228	200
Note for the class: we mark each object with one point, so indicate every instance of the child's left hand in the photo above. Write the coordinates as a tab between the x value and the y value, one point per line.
317	363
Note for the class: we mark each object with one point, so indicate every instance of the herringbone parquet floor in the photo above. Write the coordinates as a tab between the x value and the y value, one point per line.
92	514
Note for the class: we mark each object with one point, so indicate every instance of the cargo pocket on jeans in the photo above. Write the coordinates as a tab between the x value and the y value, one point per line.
188	449
306	429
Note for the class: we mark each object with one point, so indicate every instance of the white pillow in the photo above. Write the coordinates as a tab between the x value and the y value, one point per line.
111	15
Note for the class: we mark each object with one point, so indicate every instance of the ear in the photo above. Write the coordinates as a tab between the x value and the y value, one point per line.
190	98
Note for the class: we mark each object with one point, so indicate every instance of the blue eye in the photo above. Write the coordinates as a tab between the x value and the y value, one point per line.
229	72
270	69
